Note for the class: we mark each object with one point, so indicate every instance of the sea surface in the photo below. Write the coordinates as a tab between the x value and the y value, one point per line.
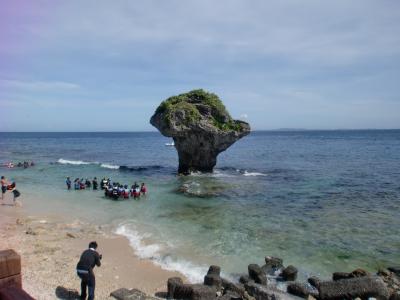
323	201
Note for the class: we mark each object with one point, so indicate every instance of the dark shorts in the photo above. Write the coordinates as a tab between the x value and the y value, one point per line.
3	189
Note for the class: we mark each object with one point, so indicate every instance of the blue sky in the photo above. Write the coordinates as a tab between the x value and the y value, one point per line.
106	65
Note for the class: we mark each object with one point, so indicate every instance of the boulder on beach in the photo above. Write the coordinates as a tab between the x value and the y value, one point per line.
262	292
132	294
200	126
302	290
362	287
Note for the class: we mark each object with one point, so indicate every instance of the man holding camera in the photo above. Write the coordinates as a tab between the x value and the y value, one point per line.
84	268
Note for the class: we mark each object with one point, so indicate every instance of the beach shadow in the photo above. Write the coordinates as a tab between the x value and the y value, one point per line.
66	294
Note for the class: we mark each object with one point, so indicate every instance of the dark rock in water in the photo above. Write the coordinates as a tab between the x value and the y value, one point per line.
214	270
340	275
302	290
202	292
195	189
200	126
272	264
262	292
213	280
244	279
133	294
359	273
289	273
395	270
257	274
362	287
314	281
230	287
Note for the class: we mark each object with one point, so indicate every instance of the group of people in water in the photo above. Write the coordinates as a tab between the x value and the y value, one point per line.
81	184
25	164
113	190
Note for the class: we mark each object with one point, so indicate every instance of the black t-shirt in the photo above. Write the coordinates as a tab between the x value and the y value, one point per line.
89	259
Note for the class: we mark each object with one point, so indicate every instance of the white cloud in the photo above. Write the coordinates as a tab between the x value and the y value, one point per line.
38	85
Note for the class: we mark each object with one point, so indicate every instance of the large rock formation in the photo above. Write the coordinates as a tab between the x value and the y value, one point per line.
200	126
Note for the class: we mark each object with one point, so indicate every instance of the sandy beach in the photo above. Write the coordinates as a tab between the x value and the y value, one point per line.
50	247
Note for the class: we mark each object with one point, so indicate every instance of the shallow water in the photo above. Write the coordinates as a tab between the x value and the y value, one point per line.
322	200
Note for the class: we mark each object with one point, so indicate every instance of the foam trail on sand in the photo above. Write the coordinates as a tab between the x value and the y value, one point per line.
192	272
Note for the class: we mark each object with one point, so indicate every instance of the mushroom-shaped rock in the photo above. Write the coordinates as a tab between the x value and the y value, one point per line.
200	126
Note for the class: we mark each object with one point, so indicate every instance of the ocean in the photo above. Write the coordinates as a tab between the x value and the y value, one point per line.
323	201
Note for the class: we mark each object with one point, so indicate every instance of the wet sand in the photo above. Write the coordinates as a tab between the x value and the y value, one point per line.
50	247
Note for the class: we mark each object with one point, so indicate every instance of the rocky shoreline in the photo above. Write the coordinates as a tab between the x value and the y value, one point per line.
50	248
260	284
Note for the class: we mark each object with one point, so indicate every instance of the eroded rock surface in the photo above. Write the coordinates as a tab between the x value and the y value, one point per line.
201	128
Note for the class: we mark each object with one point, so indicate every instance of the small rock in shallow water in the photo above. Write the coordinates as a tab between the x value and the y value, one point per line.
244	279
257	274
272	264
314	281
289	273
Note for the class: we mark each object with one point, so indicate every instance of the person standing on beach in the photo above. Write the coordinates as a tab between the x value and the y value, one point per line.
4	185
89	259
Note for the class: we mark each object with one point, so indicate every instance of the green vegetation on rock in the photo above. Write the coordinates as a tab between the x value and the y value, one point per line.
192	102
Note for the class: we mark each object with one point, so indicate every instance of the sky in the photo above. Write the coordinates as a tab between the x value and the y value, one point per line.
106	65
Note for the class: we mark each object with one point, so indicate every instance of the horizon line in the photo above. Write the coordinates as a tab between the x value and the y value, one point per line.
257	130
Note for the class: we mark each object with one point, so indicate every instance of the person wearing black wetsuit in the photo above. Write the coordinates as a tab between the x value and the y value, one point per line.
89	259
94	183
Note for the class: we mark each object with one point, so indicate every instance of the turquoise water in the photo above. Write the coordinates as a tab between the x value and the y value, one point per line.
322	200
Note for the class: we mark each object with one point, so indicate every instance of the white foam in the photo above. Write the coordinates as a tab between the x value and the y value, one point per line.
108	166
253	174
72	162
218	173
136	241
192	272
